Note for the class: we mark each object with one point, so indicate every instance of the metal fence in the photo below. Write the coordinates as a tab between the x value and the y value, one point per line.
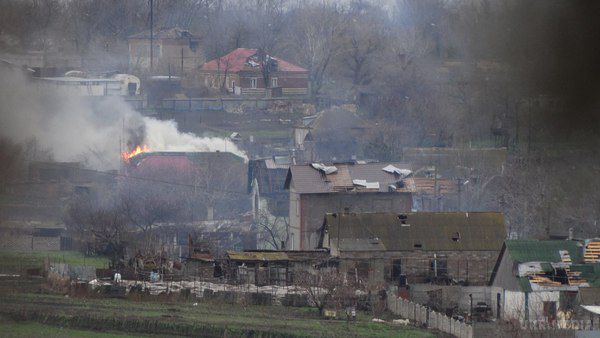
432	319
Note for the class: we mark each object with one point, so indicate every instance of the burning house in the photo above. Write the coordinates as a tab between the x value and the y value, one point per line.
211	184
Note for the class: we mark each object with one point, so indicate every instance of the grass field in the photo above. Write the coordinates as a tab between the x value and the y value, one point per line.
32	329
181	318
17	262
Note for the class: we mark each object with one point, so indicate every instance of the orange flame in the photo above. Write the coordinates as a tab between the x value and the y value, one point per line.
138	150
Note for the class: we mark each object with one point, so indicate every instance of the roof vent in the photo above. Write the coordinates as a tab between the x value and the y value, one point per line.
403	220
456	236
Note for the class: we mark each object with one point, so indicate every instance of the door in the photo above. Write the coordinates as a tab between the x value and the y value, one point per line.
550	311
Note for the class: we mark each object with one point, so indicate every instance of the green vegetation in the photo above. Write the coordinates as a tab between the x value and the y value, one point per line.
16	262
32	329
184	318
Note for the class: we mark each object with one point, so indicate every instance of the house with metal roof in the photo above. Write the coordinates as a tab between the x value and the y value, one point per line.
540	279
415	247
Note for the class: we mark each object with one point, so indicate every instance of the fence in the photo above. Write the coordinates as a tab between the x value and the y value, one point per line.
198	104
433	319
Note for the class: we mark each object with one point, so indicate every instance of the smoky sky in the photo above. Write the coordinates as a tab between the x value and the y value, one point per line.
554	47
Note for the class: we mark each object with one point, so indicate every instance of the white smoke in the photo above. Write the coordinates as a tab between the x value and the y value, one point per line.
164	136
90	130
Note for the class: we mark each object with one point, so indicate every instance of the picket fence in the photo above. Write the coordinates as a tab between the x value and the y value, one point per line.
432	319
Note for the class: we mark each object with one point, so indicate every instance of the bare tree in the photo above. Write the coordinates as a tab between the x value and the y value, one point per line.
315	38
272	230
325	288
101	223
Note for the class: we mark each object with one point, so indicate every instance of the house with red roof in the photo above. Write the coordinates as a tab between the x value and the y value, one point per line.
254	72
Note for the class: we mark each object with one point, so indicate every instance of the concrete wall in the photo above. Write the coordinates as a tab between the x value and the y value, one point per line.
432	319
506	276
448	296
514	304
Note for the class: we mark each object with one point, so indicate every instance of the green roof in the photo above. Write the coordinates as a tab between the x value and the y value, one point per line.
542	251
589	272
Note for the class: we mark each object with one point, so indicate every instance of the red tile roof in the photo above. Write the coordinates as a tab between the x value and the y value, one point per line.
236	61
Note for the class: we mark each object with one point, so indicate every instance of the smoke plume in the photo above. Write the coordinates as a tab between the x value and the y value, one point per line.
91	130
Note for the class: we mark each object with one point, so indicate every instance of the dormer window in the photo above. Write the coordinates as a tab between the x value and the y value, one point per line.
456	236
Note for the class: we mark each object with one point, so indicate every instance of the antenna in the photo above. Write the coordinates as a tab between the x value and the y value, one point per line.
151	34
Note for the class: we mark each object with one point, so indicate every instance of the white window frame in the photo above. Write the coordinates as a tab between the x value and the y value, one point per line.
254	82
273	82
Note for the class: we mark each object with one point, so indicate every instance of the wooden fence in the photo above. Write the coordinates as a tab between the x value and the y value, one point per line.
432	319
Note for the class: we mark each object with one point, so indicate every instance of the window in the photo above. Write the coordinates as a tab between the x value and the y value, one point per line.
233	85
274	82
439	267
456	236
396	269
253	82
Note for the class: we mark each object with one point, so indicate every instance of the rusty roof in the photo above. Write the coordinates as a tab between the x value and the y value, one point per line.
257	256
308	180
427	231
202	256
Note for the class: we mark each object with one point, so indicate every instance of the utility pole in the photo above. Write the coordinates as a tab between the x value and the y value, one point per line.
151	35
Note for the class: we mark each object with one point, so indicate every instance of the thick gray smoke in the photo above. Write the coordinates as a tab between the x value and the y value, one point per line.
90	130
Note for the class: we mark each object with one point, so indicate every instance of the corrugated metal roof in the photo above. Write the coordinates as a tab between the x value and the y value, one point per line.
427	231
257	256
542	251
589	272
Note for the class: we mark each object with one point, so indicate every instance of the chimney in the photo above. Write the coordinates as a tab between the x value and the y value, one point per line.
570	234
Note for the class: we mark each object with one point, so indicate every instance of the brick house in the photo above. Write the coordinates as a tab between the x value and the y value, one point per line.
250	72
418	247
176	52
350	187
